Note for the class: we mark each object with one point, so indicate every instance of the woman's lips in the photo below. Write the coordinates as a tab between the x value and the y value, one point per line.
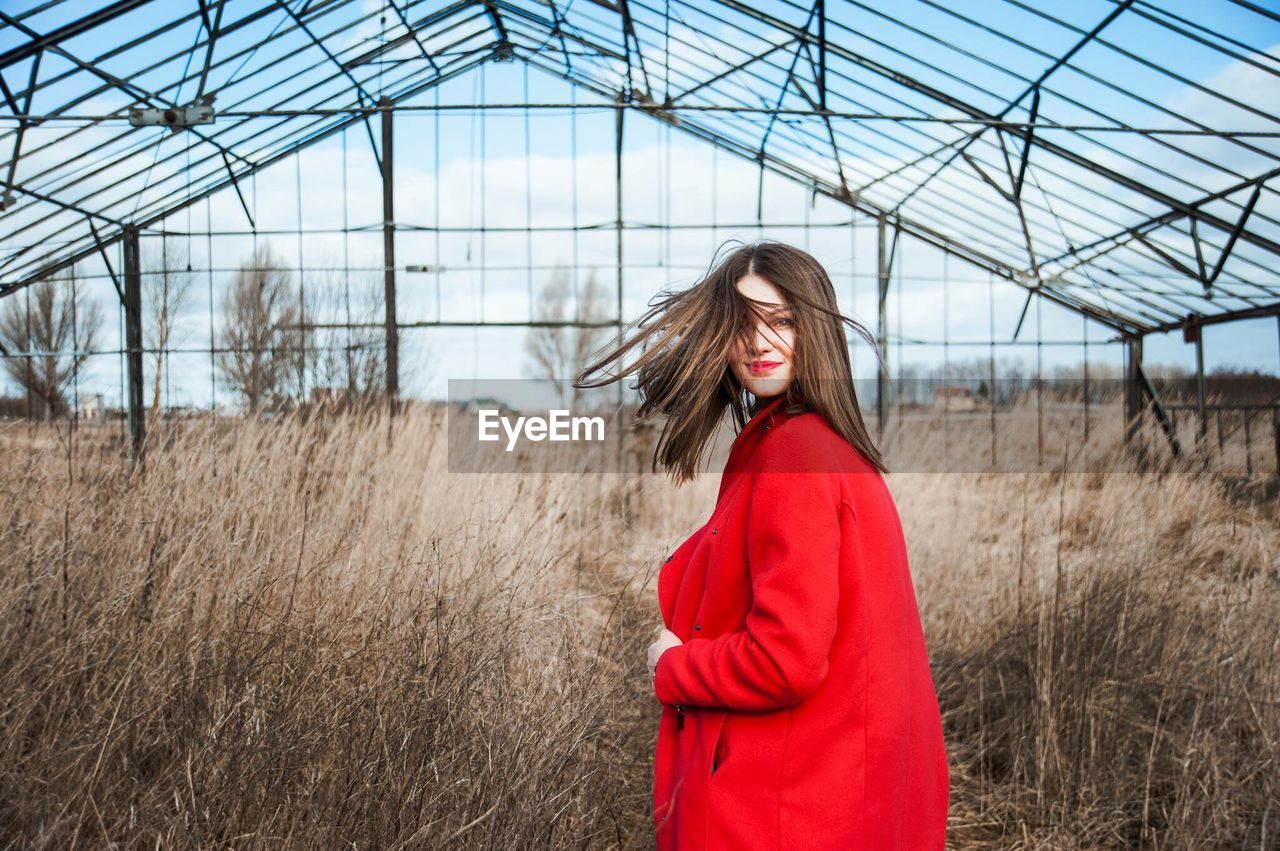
764	365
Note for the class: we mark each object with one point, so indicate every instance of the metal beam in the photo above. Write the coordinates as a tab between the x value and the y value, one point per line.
884	262
1153	398
52	39
296	135
1117	240
389	256
106	261
413	33
790	78
619	209
456	323
822	58
1132	389
1130	183
504	38
364	96
10	180
672	102
89	67
211	27
906	224
1034	90
1231	241
1218	318
629	36
133	341
514	11
1016	198
1202	417
212	189
817	106
1122	324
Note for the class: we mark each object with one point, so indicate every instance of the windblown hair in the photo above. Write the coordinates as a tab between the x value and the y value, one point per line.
687	337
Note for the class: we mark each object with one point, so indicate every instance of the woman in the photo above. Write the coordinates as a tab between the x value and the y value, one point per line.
798	707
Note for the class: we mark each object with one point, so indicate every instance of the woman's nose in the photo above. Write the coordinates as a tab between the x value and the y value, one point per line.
760	342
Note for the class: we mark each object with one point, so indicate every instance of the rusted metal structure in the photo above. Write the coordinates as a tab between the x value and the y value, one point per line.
1072	151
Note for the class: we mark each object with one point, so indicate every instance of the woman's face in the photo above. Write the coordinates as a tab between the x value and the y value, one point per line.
763	361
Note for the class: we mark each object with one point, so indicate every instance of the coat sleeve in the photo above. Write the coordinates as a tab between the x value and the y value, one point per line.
793	554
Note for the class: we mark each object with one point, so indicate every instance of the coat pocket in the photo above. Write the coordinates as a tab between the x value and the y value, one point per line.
744	790
718	751
682	772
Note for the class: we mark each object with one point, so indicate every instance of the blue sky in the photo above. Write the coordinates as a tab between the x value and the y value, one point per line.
564	173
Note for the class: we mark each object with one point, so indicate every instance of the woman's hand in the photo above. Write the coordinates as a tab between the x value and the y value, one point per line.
666	640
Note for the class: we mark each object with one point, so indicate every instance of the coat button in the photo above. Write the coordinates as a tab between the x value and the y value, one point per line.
670	557
697	626
713	531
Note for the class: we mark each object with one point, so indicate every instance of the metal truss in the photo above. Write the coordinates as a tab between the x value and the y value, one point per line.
1075	150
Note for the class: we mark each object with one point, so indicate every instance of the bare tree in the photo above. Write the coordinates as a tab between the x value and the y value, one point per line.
350	360
167	288
557	353
298	352
261	358
56	320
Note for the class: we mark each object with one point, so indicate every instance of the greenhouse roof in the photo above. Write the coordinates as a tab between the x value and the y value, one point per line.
1117	156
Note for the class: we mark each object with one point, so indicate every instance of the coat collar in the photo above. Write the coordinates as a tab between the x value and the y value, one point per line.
772	415
764	418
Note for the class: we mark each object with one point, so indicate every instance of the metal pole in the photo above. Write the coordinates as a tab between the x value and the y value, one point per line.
389	257
1039	389
992	395
133	340
617	194
882	330
1202	434
1275	435
1085	320
1132	389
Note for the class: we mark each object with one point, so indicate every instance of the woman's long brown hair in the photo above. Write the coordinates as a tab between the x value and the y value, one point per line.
686	338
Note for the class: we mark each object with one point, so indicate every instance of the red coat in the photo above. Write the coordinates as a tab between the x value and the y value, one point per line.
800	712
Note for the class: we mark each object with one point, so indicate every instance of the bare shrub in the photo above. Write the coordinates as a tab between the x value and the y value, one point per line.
308	633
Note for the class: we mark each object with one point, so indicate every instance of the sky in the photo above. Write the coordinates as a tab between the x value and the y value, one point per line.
463	169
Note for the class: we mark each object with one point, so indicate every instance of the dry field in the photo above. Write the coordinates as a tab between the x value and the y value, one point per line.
311	635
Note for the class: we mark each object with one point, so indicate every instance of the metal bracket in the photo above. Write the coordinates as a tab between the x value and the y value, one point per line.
1153	398
174	117
1207	278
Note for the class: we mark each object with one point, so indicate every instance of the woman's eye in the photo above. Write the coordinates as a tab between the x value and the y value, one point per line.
786	321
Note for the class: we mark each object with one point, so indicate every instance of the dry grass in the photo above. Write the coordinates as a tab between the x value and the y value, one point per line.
311	635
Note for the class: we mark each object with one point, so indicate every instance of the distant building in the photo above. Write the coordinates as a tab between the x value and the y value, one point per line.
954	397
487	403
91	407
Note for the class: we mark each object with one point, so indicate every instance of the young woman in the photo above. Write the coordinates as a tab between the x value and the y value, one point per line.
798	706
